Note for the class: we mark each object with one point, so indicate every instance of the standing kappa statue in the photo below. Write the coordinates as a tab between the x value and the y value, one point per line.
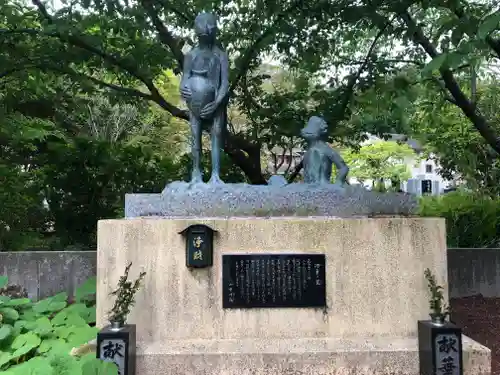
205	87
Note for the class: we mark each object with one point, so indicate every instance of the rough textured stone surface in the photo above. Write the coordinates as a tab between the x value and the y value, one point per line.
375	293
360	356
374	271
180	199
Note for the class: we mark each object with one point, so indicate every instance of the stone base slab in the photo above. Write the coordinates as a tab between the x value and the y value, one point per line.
384	356
180	199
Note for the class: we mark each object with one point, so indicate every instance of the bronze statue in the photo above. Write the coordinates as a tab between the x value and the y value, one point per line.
319	156
205	87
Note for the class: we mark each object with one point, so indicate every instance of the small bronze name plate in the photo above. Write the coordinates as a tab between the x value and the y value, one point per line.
273	280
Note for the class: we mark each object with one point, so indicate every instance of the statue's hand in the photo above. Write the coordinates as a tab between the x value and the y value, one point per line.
208	110
186	93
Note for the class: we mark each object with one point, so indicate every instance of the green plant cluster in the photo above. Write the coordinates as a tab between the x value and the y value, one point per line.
436	302
125	296
36	338
472	220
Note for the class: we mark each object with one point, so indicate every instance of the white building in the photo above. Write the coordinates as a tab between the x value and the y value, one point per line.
425	177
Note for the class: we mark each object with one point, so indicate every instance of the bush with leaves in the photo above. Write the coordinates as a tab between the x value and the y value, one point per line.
472	220
37	337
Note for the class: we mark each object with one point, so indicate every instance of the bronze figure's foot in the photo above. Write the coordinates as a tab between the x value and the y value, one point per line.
215	180
196	178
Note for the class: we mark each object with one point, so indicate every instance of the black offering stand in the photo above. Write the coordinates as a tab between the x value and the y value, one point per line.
117	342
439	341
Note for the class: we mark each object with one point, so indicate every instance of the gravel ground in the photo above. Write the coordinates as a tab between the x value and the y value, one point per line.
479	318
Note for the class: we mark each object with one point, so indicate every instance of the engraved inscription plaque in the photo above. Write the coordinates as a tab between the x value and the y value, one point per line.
273	280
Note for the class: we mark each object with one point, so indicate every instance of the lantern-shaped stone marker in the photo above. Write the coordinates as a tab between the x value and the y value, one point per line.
199	245
440	348
118	345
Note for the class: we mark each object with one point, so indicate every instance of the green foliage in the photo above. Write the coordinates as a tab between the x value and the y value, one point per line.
459	149
87	180
436	301
37	337
93	109
472	220
125	296
380	161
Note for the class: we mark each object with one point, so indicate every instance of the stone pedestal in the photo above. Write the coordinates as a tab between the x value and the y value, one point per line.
375	290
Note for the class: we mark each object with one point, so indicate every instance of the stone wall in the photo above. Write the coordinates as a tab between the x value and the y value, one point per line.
474	271
43	273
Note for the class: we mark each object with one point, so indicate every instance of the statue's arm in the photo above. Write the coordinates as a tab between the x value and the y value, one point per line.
342	168
186	71
224	78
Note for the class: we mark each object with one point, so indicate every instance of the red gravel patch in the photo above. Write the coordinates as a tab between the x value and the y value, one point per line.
479	318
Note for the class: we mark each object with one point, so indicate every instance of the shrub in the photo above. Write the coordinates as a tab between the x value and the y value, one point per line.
37	337
472	220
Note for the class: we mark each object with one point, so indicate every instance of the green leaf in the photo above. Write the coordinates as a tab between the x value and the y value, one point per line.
5	357
95	366
65	365
3	281
60	318
29	315
4	300
51	304
454	59
35	366
434	64
9	313
488	25
75	320
60	297
23	344
81	335
5	331
43	326
18	302
54	347
91	317
86	289
87	313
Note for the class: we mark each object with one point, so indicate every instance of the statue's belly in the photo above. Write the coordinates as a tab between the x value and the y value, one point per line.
202	93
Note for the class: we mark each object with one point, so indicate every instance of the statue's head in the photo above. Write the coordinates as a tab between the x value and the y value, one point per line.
205	27
315	129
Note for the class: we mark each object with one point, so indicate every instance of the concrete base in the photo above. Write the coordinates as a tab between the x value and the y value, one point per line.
386	356
375	289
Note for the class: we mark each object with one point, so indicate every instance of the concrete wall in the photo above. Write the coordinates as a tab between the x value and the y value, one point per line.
43	273
474	271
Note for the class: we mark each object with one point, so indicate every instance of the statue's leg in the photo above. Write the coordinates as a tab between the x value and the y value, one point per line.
196	175
217	127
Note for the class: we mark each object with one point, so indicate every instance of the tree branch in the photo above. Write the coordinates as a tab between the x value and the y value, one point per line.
252	50
185	16
461	100
166	37
230	147
116	61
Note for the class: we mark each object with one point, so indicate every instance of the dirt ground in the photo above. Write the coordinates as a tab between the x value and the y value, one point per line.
479	318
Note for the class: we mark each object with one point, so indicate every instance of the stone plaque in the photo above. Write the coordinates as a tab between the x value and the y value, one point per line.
114	351
447	354
273	280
